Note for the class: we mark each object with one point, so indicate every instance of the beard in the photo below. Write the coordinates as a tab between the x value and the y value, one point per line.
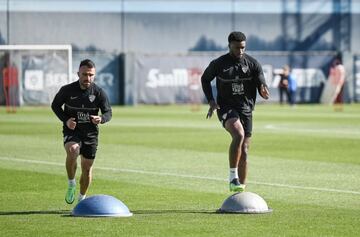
85	84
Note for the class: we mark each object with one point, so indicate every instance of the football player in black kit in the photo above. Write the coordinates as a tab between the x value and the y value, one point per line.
82	101
238	78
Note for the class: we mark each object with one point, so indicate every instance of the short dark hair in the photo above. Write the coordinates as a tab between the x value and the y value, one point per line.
88	63
236	36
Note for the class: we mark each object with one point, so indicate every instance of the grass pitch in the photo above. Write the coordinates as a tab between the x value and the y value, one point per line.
170	167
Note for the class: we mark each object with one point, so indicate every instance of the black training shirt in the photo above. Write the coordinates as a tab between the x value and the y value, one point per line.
236	81
80	104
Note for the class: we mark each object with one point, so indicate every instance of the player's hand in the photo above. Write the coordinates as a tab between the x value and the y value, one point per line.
95	119
213	106
264	92
70	123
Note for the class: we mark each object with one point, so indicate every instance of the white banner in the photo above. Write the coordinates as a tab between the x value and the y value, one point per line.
34	80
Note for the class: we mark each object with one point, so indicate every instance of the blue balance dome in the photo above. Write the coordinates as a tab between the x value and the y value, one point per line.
101	205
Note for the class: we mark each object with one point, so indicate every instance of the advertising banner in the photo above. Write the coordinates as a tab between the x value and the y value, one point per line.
43	73
168	79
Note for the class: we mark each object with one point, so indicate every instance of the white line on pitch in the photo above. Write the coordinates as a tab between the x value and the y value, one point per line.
184	176
311	130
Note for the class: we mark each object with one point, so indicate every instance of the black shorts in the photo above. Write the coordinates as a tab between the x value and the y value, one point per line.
88	144
225	113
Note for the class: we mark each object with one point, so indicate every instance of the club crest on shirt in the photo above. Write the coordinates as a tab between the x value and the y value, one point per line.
244	68
92	98
224	116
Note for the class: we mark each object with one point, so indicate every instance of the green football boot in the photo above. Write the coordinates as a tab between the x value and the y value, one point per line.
236	186
70	194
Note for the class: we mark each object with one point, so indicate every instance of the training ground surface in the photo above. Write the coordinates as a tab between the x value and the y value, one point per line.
170	167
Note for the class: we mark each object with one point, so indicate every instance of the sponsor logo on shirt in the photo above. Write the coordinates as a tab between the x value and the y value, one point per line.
237	89
83	117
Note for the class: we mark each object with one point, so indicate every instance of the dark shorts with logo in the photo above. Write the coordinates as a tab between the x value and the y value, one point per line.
88	144
225	113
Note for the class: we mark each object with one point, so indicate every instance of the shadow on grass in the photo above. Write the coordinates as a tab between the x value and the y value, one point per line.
55	212
67	213
152	212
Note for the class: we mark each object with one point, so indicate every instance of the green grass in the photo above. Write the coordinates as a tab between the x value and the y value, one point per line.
169	166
